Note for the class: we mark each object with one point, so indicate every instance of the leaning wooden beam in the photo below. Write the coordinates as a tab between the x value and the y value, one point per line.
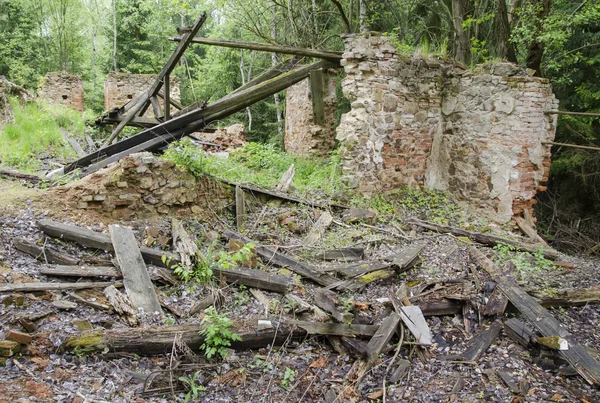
288	50
80	271
139	121
553	143
192	121
148	341
546	324
96	240
329	301
273	72
140	107
136	279
32	287
382	336
282	260
572	113
255	278
486	239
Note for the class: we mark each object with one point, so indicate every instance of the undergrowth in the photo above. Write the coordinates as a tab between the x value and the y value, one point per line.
260	164
525	263
36	133
216	333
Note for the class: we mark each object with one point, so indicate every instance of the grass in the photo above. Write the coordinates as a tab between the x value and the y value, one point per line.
35	133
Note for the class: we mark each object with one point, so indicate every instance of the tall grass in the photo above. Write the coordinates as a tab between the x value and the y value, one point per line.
35	134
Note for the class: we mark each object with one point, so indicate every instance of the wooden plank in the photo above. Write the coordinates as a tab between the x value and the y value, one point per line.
282	260
481	342
262	299
20	175
156	109
415	322
240	207
136	279
567	298
529	231
255	278
269	74
139	121
442	308
80	271
486	239
347	254
316	83
520	332
382	336
121	305
328	301
301	306
336	329
184	244
318	229
32	287
496	304
545	323
402	260
97	240
72	142
289	50
167	97
44	253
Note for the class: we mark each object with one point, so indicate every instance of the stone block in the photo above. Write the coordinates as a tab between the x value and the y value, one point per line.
21	338
87	198
8	348
122	184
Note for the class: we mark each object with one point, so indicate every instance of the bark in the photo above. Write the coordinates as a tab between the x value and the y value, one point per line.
461	39
535	51
504	48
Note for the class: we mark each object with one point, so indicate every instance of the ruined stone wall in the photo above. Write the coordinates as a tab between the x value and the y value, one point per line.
62	88
421	121
120	88
142	185
302	135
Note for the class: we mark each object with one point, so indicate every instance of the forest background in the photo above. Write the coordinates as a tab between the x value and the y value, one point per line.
557	39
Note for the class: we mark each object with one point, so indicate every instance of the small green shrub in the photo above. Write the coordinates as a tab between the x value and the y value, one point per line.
525	263
289	376
193	386
216	333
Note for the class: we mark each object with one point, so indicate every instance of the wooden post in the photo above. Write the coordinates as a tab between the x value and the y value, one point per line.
156	108
316	91
167	97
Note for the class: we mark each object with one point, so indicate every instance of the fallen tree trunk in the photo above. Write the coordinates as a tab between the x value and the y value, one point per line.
486	239
149	341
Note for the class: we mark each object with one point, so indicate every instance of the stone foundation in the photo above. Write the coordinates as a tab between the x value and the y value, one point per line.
120	88
142	185
302	135
62	88
422	121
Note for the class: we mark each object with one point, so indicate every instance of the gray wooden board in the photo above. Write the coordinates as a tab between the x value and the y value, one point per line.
481	342
327	300
31	287
382	336
255	278
415	322
347	254
240	207
43	253
336	329
80	271
135	275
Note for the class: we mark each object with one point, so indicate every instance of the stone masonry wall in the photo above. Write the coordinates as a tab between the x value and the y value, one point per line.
421	121
120	88
142	185
302	135
62	88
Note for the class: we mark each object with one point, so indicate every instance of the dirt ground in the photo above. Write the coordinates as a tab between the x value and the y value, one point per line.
307	370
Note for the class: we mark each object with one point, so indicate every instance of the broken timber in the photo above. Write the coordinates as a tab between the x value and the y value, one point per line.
546	324
32	287
44	253
156	137
336	329
255	278
80	271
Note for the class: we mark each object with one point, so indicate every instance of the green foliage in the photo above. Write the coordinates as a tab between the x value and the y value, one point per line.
289	376
525	263
193	386
216	333
35	133
186	155
231	260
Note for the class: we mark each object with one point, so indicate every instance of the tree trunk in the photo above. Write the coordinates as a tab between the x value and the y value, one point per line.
536	48
461	39
278	109
364	25
114	52
504	48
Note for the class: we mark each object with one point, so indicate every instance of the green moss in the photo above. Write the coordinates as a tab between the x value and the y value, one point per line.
86	343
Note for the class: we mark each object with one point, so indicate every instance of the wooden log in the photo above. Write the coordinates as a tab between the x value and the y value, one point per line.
121	305
80	271
318	229
567	298
479	344
544	322
72	142
44	253
255	278
302	306
136	279
486	239
415	322
32	287
529	231
156	109
382	336
316	84
347	254
288	50
96	240
282	260
19	175
336	329
328	301
148	341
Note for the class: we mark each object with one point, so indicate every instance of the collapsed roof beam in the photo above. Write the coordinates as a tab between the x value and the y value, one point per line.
174	129
289	50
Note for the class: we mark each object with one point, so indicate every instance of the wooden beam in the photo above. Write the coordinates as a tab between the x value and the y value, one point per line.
289	50
240	207
479	344
595	115
316	82
547	325
139	121
382	336
571	145
44	253
158	113
80	271
32	287
269	74
336	329
167	98
255	278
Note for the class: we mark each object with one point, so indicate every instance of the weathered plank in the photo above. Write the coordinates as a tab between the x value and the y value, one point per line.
382	336
80	271
121	305
529	231
415	322
301	306
336	329
32	287
43	253
496	304
318	229
328	301
19	175
481	342
183	244
347	254
240	207
255	278
286	180
96	240
76	146
546	324
136	279
316	94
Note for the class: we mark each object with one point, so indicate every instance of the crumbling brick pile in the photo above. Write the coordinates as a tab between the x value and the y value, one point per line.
223	138
418	120
142	185
64	89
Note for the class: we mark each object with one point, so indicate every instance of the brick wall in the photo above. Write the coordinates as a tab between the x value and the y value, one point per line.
422	121
62	88
120	88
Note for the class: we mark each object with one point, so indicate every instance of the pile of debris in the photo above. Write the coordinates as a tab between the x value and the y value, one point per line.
356	313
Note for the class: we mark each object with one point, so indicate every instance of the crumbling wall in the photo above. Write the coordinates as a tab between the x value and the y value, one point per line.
302	135
418	120
120	88
142	185
62	88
